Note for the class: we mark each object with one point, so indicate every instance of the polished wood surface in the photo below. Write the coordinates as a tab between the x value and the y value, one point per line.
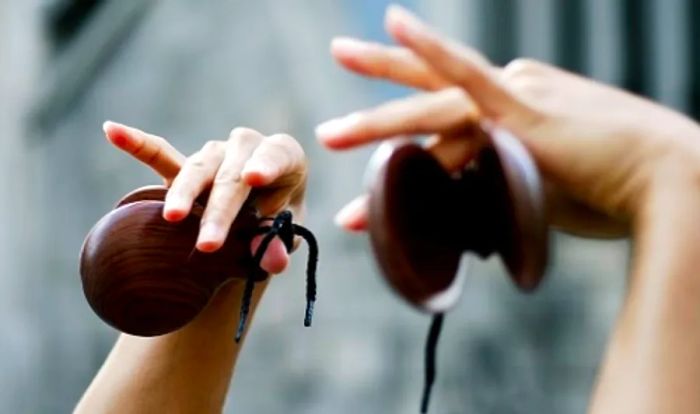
422	219
143	275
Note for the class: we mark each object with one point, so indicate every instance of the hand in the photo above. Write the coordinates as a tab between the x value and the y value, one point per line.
274	166
601	151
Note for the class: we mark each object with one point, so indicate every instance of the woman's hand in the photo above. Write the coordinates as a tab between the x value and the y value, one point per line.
601	151
190	370
274	166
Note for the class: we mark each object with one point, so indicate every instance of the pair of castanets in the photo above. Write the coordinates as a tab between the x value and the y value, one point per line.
142	274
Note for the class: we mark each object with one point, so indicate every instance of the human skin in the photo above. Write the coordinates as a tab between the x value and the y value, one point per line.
189	371
613	164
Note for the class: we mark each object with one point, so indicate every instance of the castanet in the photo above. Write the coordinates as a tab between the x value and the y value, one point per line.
142	274
422	219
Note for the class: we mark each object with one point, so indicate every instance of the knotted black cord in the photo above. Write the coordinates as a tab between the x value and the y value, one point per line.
283	228
311	263
250	282
430	356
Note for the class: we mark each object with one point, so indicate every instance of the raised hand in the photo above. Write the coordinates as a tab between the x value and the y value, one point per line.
274	166
597	147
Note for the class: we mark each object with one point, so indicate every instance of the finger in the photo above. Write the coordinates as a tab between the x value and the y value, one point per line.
275	259
279	166
449	110
196	174
152	150
354	216
457	63
452	153
445	110
279	159
229	191
396	64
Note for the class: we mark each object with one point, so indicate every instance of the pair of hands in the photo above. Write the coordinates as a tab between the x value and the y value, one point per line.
604	153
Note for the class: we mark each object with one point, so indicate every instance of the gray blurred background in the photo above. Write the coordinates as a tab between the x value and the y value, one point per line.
192	70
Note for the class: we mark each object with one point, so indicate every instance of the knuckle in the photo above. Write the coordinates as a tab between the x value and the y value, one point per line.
212	146
138	149
529	86
154	156
287	144
521	67
227	177
243	134
196	160
283	140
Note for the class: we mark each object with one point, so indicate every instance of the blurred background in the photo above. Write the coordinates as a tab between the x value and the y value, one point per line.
190	71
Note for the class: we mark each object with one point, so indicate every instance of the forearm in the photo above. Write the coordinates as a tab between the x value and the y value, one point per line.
187	371
653	360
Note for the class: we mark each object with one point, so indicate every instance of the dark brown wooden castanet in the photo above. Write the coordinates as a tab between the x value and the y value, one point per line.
143	275
422	218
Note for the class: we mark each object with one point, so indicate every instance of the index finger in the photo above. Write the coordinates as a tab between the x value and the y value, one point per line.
395	64
151	150
462	65
435	112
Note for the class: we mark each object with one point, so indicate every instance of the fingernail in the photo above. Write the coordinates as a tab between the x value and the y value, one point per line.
348	45
351	212
209	236
404	21
175	208
118	137
106	125
112	124
332	130
256	167
257	174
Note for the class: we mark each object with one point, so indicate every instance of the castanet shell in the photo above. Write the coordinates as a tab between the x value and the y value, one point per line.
142	274
422	218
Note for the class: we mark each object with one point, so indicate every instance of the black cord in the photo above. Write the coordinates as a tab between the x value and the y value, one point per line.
283	228
311	265
250	282
430	357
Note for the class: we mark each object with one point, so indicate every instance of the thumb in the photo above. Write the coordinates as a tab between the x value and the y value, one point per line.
275	259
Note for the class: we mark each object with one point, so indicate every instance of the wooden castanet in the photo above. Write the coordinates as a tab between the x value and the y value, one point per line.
142	274
422	219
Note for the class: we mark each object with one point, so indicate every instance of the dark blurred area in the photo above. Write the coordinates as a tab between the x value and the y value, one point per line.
191	71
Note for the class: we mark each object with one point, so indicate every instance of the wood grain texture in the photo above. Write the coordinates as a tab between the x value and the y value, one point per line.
143	275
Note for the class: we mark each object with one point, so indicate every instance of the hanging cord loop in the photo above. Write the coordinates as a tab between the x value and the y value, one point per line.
282	227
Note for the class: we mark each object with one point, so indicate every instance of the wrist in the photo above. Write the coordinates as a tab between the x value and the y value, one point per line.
666	230
674	183
657	337
220	316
